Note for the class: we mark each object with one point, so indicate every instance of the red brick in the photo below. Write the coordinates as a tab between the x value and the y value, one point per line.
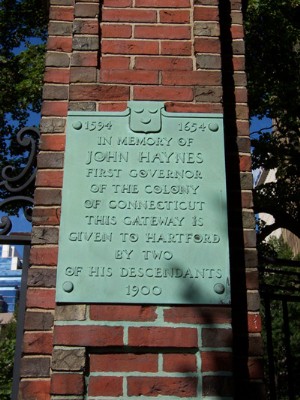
65	384
198	315
49	178
129	47
115	62
216	361
245	163
237	31
241	95
164	63
99	92
207	45
40	298
105	386
57	75
206	13
179	363
112	106
192	78
122	313
131	15
53	142
256	368
124	362
254	323
162	32
181	48
35	389
76	335
207	2
84	59
162	337
156	386
116	31
134	77
174	16
59	43
247	199
163	93
44	255
238	63
37	343
61	13
163	3
117	3
46	216
199	108
55	108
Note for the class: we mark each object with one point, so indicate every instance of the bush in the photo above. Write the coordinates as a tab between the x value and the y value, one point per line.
7	351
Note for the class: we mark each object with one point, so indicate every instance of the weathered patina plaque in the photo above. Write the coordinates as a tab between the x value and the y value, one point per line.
144	214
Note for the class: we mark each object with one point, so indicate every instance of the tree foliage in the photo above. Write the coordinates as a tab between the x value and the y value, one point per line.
23	27
7	346
273	59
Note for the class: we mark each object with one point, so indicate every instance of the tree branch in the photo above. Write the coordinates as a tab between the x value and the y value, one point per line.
267	230
282	220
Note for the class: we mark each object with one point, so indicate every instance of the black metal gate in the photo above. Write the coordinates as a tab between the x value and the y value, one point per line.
279	289
19	186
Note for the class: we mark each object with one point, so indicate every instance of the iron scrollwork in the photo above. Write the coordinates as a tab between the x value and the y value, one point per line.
20	182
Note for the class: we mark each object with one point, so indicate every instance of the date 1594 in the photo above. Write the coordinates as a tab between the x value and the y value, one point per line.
97	125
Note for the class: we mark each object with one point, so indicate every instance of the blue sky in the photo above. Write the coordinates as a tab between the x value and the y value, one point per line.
256	124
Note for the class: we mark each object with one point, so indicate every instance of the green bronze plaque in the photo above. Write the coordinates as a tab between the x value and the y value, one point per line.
144	212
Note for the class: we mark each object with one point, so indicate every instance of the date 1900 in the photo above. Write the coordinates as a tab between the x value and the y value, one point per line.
133	290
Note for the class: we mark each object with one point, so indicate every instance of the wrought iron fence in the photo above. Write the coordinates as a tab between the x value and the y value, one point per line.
279	289
18	184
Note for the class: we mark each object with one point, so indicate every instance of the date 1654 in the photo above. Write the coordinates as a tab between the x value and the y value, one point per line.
191	127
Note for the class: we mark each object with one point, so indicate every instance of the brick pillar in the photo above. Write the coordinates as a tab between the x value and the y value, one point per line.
190	55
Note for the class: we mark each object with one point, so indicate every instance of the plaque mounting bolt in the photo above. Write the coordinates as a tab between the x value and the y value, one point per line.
68	286
219	288
213	126
77	125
